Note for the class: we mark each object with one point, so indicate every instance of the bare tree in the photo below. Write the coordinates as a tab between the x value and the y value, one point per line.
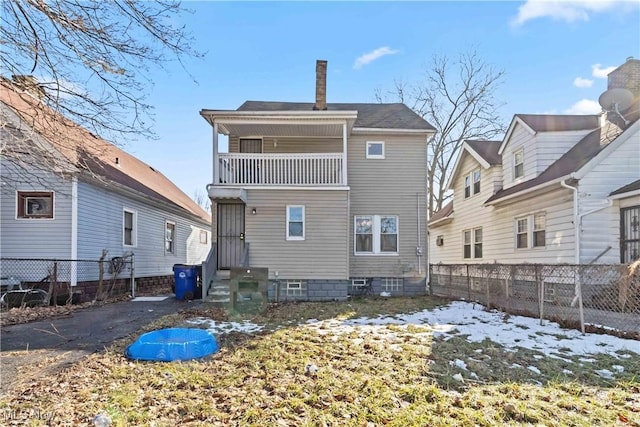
202	199
457	98
86	63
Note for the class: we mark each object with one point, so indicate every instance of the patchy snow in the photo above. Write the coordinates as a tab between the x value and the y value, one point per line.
461	319
567	371
605	373
226	327
534	369
618	368
459	363
469	320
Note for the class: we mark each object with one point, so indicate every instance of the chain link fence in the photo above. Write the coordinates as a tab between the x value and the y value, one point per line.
581	296
64	281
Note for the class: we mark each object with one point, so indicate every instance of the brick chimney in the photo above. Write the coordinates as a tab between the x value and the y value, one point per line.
626	76
321	85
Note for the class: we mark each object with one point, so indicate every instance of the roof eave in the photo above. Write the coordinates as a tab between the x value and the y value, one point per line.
528	190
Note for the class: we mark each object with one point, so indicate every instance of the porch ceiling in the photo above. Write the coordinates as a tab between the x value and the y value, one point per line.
282	123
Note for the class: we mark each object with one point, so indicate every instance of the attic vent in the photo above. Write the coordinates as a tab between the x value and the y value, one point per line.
117	160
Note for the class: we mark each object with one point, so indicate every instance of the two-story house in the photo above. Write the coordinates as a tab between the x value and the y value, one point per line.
556	189
68	194
325	195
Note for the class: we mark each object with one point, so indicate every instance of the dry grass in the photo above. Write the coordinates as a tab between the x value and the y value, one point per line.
400	378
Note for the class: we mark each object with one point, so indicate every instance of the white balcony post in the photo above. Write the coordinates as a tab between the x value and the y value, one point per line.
344	153
216	178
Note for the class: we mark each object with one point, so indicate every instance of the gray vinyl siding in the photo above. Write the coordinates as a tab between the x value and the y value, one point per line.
36	238
293	145
100	226
390	186
323	253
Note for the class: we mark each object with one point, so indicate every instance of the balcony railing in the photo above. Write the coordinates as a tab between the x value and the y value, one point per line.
280	169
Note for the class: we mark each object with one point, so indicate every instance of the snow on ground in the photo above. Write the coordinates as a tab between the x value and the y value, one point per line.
461	319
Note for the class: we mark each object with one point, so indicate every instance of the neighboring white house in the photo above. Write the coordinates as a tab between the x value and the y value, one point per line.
556	189
99	197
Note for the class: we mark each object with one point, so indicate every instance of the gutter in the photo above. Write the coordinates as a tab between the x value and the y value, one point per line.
529	190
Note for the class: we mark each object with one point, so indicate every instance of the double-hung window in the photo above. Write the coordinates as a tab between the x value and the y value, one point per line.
129	227
472	243
518	164
531	231
295	223
472	184
169	237
376	234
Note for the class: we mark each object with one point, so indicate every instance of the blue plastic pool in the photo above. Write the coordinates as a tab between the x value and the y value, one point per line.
166	345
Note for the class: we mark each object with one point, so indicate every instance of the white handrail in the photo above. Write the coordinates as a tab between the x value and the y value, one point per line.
280	169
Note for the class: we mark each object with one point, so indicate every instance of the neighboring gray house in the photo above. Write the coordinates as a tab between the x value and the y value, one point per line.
556	189
99	197
327	196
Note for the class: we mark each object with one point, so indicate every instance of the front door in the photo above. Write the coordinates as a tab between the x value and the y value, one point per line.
230	235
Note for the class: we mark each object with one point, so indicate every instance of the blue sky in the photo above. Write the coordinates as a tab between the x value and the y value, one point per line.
555	55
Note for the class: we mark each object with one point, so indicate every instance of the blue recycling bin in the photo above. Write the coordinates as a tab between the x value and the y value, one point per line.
186	281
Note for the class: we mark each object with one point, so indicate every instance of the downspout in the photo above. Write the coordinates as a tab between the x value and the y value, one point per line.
576	228
73	279
419	247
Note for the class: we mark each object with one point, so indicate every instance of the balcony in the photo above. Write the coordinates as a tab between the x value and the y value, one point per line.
286	169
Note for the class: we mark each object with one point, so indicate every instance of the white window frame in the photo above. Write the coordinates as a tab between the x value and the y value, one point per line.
23	195
472	243
515	165
166	237
530	230
134	230
304	223
374	156
376	232
470	180
204	237
294	288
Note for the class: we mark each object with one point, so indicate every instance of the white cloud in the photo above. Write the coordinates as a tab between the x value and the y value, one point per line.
367	58
600	72
580	82
562	10
584	106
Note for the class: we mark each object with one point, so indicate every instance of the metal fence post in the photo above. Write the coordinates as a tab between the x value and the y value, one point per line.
579	290
540	285
133	276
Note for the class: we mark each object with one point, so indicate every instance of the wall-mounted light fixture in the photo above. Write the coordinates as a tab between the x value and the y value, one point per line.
275	142
253	211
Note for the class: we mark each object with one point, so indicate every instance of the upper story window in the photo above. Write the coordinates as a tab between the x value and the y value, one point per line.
375	149
295	223
518	164
472	184
472	243
35	204
204	237
531	231
376	234
129	227
169	237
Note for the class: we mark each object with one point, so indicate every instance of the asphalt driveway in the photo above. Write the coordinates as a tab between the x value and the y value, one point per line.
64	341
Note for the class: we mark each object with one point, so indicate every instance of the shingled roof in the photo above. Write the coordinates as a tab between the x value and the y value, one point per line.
571	161
443	213
488	150
93	154
634	186
379	116
558	123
